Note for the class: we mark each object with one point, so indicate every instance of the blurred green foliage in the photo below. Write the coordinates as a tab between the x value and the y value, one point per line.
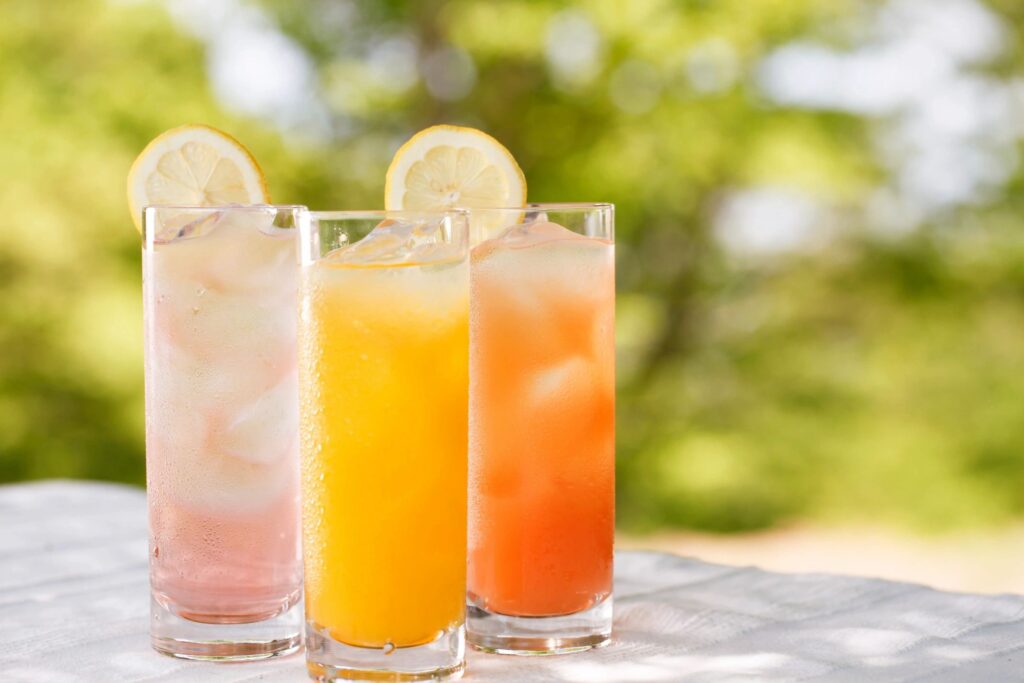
874	378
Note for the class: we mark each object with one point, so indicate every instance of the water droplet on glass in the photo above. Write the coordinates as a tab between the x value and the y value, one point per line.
389	647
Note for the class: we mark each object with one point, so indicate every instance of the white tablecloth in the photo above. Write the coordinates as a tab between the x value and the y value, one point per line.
74	607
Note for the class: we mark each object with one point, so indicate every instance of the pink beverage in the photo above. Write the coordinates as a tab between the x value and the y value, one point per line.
222	430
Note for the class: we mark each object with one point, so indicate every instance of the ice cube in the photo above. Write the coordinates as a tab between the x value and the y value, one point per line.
218	325
234	256
217	436
170	225
248	254
257	219
569	407
397	242
524	235
264	431
546	263
434	252
382	244
558	387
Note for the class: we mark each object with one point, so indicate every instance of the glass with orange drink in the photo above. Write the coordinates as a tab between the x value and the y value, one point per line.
542	394
383	379
542	428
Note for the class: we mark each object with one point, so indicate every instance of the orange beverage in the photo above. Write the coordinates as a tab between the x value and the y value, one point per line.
383	337
542	421
384	438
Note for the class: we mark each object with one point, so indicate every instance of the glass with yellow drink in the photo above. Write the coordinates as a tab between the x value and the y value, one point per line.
383	379
542	428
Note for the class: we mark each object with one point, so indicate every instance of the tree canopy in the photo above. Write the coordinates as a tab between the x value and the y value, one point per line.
819	300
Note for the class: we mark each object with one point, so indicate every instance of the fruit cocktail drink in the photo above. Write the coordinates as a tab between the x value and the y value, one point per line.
384	394
542	428
222	430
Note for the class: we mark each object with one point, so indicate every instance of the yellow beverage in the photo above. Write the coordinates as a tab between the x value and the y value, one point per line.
384	391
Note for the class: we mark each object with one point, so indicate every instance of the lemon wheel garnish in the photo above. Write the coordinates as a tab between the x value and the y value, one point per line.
194	165
443	167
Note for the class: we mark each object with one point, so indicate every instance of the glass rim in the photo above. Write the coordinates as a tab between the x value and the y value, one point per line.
549	206
373	214
226	207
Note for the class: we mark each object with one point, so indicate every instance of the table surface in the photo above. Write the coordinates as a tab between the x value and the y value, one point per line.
74	608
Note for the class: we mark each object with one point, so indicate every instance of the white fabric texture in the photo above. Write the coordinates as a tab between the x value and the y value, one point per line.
74	608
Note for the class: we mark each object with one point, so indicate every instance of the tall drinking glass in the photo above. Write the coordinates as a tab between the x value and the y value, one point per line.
542	428
219	289
384	390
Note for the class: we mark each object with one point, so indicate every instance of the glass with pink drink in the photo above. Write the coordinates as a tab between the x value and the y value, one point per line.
222	430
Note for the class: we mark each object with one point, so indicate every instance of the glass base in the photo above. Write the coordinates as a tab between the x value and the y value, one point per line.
510	635
174	635
329	660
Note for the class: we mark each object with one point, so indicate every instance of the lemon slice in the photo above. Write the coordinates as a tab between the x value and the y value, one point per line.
442	167
194	165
